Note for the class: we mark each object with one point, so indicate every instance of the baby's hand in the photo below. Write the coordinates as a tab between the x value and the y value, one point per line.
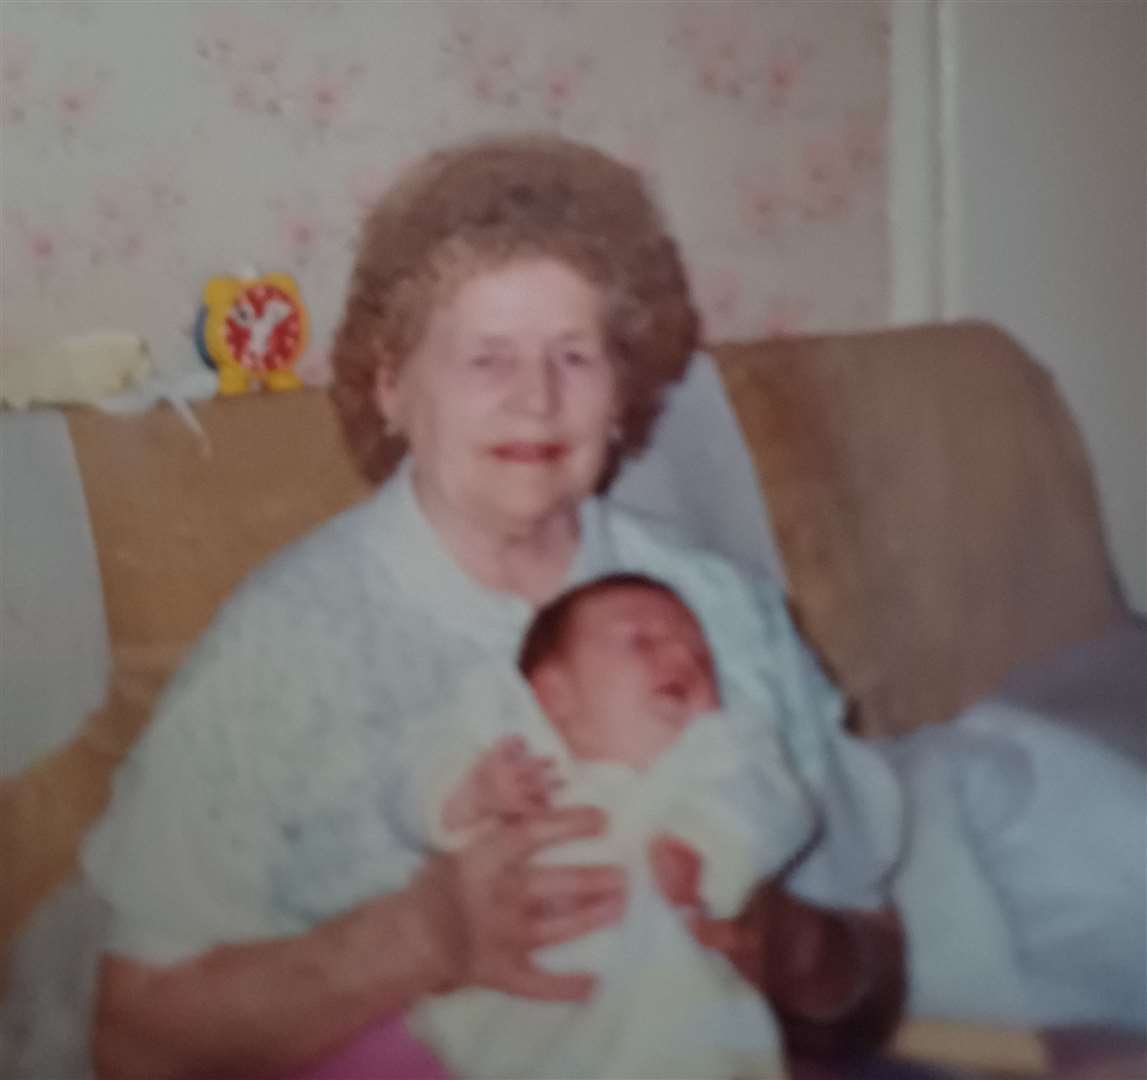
507	782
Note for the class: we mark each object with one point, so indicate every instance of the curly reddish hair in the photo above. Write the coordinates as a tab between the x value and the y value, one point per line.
479	207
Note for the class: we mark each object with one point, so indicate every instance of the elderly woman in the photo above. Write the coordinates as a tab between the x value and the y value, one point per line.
516	312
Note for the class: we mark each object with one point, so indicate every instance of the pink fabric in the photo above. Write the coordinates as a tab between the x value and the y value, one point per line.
387	1051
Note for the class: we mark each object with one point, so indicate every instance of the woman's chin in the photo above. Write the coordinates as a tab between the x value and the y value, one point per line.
535	496
527	511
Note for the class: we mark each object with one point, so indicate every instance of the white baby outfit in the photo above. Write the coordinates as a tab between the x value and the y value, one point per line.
664	1007
251	806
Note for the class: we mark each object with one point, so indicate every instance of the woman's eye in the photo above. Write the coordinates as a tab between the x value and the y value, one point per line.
483	361
575	358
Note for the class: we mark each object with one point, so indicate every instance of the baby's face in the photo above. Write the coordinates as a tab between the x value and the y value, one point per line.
633	670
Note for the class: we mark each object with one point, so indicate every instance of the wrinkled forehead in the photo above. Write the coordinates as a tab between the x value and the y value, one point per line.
439	285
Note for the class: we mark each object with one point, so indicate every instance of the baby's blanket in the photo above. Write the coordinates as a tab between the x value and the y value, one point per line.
664	1007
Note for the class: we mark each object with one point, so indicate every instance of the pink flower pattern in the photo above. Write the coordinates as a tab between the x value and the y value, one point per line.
38	245
761	125
785	316
484	50
300	227
734	56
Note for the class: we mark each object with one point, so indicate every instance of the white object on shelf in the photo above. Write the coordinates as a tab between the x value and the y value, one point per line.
78	370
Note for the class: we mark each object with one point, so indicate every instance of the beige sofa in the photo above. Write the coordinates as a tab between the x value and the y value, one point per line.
929	493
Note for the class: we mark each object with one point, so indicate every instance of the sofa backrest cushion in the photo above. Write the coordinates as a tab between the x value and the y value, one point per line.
934	509
179	521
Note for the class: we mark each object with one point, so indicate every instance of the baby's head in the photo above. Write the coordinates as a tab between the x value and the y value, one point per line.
620	666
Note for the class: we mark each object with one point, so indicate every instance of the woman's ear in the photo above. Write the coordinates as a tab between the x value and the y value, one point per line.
388	397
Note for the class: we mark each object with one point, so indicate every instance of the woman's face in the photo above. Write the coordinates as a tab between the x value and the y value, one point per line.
508	400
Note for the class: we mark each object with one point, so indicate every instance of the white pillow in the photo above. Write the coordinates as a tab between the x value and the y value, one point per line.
961	962
54	650
697	479
1057	812
1024	889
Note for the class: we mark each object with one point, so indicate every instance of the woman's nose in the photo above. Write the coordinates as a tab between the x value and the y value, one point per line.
538	387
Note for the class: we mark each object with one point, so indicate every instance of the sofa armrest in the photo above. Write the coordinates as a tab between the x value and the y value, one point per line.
933	504
46	809
1013	1051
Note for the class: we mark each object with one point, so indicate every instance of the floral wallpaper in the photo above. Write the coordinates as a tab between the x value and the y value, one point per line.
149	144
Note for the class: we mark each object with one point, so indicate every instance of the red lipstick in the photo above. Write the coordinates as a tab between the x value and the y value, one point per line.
528	453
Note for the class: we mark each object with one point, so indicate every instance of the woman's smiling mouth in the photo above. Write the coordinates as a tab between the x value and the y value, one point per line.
529	453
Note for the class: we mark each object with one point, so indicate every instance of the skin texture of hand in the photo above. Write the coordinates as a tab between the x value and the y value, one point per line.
490	907
506	783
267	1008
677	869
835	978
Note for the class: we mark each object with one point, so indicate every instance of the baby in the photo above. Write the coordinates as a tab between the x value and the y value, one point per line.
619	709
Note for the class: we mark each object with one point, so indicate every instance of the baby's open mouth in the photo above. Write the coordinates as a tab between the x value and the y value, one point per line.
674	690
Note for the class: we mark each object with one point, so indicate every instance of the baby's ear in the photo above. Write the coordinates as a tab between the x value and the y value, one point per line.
554	690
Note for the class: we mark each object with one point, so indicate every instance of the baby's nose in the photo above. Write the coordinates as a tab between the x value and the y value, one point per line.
691	671
679	660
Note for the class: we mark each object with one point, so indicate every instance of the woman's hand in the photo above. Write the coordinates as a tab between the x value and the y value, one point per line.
835	978
677	869
469	919
484	910
507	782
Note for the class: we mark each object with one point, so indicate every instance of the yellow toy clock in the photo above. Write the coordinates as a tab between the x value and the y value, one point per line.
253	330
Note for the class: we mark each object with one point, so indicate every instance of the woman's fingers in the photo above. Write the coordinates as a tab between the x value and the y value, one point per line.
558	903
741	940
538	781
509	906
525	838
541	773
512	747
677	870
529	981
558	885
518	783
724	935
566	925
499	864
